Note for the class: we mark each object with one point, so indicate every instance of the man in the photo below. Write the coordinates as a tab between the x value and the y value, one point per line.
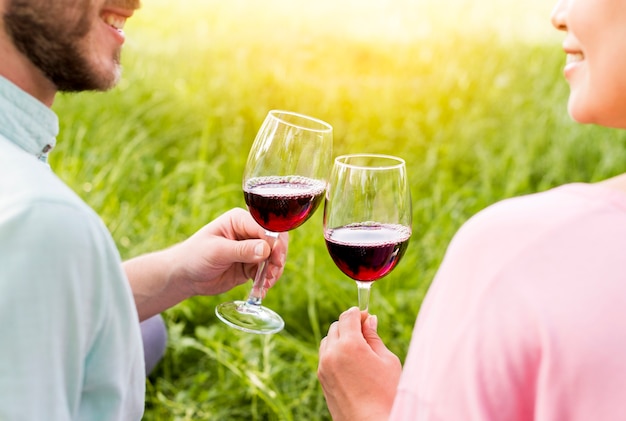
69	308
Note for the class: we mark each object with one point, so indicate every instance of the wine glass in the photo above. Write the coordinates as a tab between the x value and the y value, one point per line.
367	217
283	183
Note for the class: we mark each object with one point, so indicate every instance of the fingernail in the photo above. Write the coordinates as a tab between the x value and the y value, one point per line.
258	250
373	322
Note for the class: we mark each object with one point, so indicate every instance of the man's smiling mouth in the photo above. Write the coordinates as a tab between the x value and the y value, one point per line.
114	20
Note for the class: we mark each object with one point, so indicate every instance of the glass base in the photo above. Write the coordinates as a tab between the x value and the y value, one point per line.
250	318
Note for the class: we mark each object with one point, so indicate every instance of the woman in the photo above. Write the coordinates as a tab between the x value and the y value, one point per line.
526	318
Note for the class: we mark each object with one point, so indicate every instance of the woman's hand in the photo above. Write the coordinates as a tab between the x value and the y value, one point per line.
359	375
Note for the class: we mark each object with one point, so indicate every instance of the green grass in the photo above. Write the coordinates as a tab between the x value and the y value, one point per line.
475	106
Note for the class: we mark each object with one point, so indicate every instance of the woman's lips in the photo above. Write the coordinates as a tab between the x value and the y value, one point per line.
572	60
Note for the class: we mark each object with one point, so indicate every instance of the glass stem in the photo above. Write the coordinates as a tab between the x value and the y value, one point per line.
364	289
258	286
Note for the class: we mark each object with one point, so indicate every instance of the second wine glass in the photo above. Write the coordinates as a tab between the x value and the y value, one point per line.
367	217
284	182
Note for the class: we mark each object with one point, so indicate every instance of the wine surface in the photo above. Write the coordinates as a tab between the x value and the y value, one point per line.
281	204
367	252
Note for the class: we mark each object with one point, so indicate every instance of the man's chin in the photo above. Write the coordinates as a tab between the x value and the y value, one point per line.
100	83
117	76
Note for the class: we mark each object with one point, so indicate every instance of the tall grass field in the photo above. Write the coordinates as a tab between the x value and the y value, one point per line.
470	94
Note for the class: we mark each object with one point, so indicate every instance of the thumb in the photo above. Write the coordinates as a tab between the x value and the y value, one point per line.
244	251
370	334
254	251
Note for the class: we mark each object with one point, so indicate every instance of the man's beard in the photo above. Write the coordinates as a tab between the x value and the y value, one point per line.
52	42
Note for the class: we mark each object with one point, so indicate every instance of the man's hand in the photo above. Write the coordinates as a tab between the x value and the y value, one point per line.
220	256
226	253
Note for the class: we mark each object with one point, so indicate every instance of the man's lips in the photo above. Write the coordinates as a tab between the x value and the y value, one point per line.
113	19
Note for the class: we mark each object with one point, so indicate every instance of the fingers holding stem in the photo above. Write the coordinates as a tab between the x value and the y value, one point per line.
259	288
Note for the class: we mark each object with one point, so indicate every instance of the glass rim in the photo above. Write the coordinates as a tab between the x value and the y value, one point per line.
277	114
399	161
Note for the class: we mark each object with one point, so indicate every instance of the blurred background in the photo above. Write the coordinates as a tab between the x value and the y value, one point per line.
470	93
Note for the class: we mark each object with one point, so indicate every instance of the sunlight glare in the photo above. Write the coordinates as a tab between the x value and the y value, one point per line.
385	20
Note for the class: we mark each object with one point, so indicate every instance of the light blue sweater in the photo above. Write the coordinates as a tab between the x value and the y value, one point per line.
70	344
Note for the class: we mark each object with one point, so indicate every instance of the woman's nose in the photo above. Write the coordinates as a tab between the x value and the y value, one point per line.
558	15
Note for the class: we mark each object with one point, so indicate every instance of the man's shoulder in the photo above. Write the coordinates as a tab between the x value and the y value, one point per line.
26	182
35	204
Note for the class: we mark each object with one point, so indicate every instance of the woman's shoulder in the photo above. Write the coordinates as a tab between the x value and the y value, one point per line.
560	206
567	211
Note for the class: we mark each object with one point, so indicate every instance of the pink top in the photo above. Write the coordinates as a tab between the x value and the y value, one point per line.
526	318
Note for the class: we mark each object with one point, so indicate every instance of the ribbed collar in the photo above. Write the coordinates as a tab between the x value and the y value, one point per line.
26	121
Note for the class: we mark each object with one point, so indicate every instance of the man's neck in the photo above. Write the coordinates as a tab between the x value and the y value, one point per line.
15	67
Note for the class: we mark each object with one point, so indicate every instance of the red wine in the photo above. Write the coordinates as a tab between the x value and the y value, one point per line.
281	204
367	252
